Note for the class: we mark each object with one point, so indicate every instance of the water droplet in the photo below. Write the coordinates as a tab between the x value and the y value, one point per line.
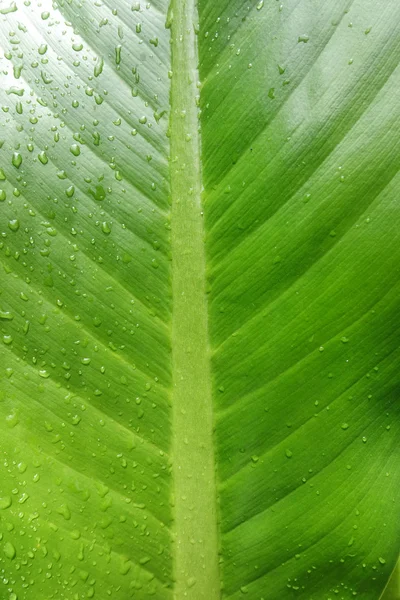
24	497
303	38
9	550
16	160
106	227
45	77
118	50
43	158
8	9
98	68
75	534
64	511
6	315
13	224
5	502
70	191
75	149
12	420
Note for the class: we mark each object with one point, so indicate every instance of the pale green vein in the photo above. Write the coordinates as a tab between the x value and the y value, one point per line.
196	551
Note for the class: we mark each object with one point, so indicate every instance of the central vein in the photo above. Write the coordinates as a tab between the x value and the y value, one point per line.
196	544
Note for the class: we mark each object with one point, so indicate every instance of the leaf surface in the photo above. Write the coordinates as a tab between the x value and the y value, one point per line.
199	308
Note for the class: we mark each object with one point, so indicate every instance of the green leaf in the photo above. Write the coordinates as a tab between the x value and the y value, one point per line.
392	590
199	299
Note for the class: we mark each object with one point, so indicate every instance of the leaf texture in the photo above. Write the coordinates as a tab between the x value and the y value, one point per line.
199	299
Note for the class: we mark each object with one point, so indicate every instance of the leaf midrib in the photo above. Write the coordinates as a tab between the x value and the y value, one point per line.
196	539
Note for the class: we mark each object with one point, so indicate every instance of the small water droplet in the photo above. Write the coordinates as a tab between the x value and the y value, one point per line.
303	39
16	160
8	9
64	511
5	502
75	149
106	227
6	315
13	224
9	550
70	191
43	158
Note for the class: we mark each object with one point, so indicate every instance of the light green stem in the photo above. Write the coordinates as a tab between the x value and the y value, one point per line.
196	552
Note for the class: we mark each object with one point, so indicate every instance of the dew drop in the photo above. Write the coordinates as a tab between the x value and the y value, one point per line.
5	502
64	511
98	68
303	39
43	158
9	550
16	160
106	227
5	315
75	149
13	224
